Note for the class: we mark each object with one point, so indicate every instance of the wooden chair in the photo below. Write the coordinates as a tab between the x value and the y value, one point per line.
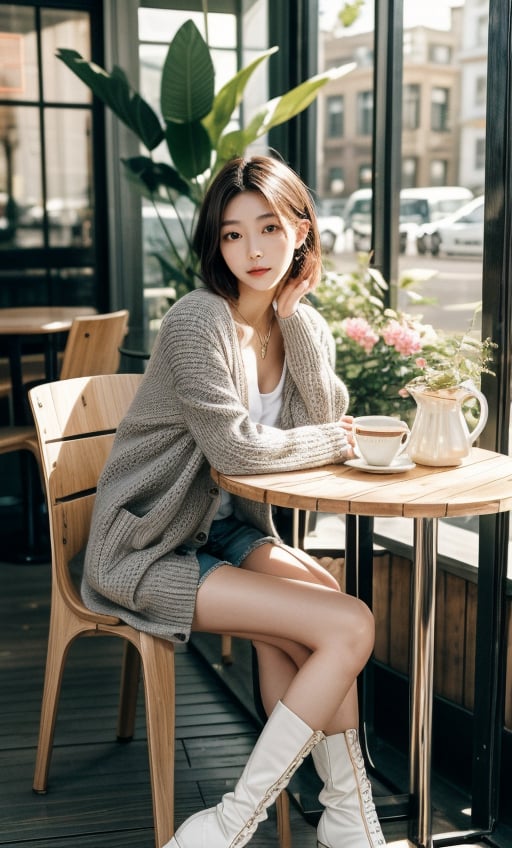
93	344
92	348
75	422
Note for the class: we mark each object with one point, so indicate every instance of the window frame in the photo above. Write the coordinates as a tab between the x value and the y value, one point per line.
56	259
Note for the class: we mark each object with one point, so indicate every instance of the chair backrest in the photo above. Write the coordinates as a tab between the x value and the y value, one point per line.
76	422
93	343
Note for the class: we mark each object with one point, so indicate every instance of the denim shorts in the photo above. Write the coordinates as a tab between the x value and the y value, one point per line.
230	541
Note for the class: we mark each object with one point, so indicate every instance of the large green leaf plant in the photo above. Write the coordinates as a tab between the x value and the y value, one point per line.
197	130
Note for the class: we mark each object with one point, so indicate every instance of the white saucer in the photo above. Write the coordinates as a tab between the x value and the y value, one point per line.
402	463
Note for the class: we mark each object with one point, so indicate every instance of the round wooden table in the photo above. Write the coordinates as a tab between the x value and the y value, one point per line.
482	485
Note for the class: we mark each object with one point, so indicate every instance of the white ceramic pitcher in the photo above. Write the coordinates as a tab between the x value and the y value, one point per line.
440	434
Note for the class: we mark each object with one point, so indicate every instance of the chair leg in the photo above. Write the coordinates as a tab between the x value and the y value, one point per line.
63	630
284	831
130	676
157	656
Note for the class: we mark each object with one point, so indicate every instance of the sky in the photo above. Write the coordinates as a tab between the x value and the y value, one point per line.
432	13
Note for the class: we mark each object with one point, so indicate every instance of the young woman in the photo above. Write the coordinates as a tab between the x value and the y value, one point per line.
242	379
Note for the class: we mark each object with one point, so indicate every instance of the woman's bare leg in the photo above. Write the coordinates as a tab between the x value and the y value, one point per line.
276	671
279	661
336	629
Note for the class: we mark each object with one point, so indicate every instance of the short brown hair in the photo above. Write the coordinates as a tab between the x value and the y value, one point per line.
288	198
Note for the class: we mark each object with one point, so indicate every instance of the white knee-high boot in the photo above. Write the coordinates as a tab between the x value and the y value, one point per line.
283	744
349	817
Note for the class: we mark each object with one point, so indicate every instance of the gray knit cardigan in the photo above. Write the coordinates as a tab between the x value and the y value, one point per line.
156	498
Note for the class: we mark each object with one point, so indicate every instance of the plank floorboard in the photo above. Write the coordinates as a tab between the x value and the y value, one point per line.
99	792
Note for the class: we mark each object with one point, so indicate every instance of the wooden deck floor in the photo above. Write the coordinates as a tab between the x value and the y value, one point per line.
99	792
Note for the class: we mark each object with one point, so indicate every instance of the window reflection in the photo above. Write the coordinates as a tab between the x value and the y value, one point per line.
63	28
20	177
56	210
18	53
69	184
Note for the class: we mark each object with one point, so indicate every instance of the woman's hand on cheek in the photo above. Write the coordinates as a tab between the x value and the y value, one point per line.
289	298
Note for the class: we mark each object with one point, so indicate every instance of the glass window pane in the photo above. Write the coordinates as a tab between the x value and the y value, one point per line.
159	26
345	110
152	58
18	53
21	219
69	177
449	148
63	28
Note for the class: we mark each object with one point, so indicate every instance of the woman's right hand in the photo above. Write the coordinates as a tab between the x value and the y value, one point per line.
290	296
346	422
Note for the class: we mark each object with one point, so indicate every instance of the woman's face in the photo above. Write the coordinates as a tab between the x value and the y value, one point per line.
256	245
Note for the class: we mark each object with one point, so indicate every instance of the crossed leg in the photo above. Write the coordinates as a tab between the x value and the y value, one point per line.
312	640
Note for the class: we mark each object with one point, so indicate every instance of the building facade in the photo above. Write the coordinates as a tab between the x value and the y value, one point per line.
430	109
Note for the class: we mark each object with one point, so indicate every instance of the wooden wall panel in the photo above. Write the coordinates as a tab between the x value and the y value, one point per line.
468	694
399	614
450	636
455	637
381	607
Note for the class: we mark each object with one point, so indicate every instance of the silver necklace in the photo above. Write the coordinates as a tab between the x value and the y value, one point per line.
264	340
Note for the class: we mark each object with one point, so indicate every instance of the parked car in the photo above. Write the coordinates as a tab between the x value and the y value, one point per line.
462	232
418	206
330	222
423	206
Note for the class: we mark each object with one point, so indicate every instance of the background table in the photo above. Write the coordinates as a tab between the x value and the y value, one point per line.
482	485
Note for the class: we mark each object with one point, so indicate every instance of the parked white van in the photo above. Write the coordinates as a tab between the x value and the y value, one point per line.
418	206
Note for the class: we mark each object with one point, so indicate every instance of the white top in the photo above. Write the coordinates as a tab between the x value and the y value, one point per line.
264	408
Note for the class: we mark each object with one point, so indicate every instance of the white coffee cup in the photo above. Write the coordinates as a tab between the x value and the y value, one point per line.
379	439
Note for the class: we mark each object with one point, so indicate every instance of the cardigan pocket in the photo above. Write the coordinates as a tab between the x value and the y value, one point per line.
119	539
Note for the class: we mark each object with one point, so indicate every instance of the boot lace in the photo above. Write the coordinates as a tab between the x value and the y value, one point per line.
368	810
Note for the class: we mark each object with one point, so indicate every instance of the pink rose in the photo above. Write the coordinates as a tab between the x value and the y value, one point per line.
403	338
360	331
